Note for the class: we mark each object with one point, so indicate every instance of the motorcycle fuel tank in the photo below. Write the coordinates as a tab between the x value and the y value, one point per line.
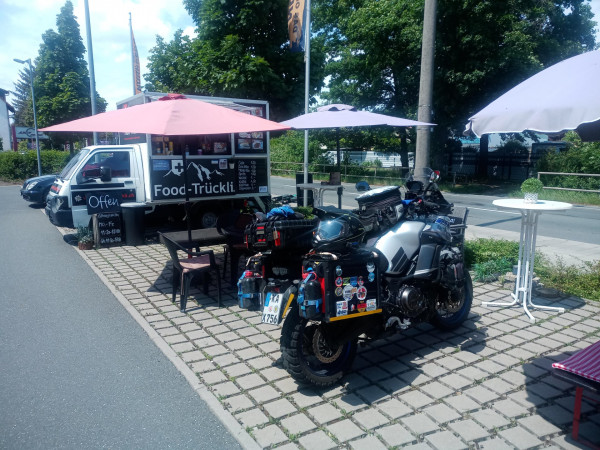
400	244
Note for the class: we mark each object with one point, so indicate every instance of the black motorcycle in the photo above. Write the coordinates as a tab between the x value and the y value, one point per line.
372	272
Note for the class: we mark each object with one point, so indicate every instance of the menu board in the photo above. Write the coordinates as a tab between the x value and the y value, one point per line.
107	229
254	142
252	175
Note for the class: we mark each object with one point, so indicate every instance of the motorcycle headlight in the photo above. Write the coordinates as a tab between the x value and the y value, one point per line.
31	185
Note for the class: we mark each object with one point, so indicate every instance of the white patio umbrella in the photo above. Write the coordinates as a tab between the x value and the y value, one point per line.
565	96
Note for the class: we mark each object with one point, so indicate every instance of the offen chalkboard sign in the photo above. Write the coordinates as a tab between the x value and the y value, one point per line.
107	229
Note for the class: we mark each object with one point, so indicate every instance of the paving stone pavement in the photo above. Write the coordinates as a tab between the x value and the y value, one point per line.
487	384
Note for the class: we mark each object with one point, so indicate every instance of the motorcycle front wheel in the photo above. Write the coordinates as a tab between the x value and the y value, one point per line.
306	355
451	315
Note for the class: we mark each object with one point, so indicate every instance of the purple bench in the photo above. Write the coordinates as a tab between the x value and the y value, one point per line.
583	370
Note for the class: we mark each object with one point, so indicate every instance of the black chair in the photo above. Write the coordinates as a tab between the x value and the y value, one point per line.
232	225
185	269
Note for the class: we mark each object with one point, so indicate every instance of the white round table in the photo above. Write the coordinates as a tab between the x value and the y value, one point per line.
530	213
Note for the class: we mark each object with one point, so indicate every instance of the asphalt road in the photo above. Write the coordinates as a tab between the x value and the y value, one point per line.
581	223
76	371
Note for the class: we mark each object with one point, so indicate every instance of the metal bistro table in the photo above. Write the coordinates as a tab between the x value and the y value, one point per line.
530	213
200	237
318	190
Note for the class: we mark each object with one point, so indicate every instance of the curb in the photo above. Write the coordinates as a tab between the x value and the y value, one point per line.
213	403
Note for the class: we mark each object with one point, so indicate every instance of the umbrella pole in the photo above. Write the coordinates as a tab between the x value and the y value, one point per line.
339	162
186	205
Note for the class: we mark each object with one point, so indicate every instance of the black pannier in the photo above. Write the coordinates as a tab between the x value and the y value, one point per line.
378	208
280	234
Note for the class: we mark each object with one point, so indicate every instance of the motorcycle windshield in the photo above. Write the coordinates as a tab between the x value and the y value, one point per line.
422	173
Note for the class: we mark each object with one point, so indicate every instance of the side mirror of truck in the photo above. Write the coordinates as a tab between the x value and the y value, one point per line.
105	173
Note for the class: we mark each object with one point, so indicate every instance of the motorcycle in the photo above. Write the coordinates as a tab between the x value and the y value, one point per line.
371	272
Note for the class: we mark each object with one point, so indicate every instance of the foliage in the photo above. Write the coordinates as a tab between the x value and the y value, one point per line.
532	185
61	78
17	166
580	157
490	270
22	99
85	235
482	50
513	147
307	211
482	250
287	151
490	257
240	52
583	281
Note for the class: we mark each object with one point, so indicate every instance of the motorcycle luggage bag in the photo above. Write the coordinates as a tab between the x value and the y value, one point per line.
378	199
373	204
291	234
349	285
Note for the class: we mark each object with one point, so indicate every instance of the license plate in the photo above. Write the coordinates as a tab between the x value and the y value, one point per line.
272	310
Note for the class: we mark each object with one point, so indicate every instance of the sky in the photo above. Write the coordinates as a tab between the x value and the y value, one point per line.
24	22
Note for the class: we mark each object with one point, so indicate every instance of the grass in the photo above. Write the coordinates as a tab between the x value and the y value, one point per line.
514	190
490	258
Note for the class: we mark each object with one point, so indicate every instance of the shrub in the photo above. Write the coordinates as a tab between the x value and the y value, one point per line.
482	250
16	166
85	235
490	270
532	185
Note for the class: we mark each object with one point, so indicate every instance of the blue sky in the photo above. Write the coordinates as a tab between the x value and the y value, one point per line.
24	22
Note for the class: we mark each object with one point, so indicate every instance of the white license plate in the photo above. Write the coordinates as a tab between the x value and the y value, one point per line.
272	310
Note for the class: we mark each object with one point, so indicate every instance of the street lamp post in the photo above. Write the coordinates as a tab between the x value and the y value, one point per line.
37	142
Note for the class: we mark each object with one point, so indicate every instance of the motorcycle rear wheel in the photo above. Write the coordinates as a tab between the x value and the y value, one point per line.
307	357
450	320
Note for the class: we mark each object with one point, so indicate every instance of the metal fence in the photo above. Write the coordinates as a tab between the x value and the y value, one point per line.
570	175
350	173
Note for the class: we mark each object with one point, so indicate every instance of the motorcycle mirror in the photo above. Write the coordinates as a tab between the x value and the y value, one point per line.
434	176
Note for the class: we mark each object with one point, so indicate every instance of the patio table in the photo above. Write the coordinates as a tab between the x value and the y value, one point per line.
530	213
318	190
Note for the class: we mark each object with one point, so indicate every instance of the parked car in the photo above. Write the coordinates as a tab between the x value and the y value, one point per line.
35	190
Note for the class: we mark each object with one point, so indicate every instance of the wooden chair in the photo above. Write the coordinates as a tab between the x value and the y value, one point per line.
185	269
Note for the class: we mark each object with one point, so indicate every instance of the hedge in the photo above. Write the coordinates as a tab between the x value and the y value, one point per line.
17	166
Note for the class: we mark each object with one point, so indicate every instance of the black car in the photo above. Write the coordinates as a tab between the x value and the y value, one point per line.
36	189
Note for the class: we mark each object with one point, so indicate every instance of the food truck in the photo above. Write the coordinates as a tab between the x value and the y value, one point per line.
222	171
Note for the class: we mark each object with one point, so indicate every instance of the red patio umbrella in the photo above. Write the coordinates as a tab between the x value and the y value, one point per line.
172	115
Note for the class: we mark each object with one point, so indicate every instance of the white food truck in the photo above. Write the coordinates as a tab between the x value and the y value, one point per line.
222	171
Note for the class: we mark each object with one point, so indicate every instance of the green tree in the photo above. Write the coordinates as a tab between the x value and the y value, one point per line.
483	48
62	82
22	99
241	51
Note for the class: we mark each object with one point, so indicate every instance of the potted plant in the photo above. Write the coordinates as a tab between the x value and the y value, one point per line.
85	238
531	187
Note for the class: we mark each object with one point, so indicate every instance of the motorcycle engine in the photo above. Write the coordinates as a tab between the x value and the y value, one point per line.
409	300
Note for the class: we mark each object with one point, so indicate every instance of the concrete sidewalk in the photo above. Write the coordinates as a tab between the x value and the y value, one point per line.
488	384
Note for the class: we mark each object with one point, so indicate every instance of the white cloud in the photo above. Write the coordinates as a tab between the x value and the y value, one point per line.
25	22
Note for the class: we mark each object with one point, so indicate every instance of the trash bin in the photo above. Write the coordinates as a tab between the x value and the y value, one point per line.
300	192
133	222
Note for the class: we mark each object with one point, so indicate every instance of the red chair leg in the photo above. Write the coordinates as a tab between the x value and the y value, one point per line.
577	411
